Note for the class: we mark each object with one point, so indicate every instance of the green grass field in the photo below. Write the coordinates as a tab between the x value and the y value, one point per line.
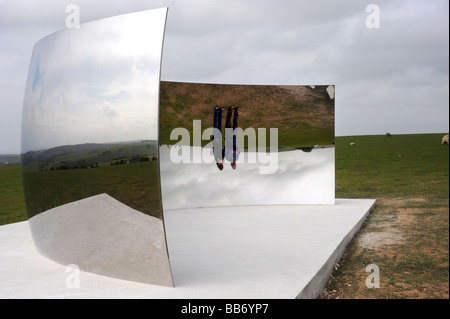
407	234
400	166
12	203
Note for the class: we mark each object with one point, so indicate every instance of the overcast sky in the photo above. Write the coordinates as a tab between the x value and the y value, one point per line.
393	78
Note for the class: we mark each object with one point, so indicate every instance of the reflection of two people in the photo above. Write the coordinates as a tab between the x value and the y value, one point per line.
230	151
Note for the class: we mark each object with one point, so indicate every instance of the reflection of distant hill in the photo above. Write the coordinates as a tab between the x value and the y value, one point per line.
85	155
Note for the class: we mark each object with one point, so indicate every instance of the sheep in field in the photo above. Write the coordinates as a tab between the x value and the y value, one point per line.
445	140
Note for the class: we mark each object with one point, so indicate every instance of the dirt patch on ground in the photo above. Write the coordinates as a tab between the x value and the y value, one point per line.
399	202
388	229
405	238
380	240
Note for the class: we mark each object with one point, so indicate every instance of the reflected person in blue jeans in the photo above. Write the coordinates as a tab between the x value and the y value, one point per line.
231	151
217	137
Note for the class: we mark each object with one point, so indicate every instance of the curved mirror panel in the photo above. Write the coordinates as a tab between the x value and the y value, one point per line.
90	147
229	145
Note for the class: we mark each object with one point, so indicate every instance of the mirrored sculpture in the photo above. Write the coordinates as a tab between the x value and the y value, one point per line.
107	147
237	145
90	148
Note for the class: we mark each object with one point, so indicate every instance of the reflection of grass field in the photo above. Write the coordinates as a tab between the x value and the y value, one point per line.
407	234
133	184
105	155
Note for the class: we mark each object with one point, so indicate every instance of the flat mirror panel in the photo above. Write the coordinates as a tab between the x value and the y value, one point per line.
279	150
90	147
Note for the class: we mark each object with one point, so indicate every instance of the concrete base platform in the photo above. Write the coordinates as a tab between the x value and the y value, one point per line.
249	252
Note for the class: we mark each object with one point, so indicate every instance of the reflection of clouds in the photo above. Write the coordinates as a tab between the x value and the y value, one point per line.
98	83
330	90
301	178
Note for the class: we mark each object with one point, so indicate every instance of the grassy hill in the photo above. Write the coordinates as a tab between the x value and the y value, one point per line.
402	165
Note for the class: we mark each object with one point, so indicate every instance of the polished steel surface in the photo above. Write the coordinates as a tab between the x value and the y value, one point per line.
107	146
283	145
90	127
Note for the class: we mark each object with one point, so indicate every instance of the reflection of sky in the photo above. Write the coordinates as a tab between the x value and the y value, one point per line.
98	83
301	178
